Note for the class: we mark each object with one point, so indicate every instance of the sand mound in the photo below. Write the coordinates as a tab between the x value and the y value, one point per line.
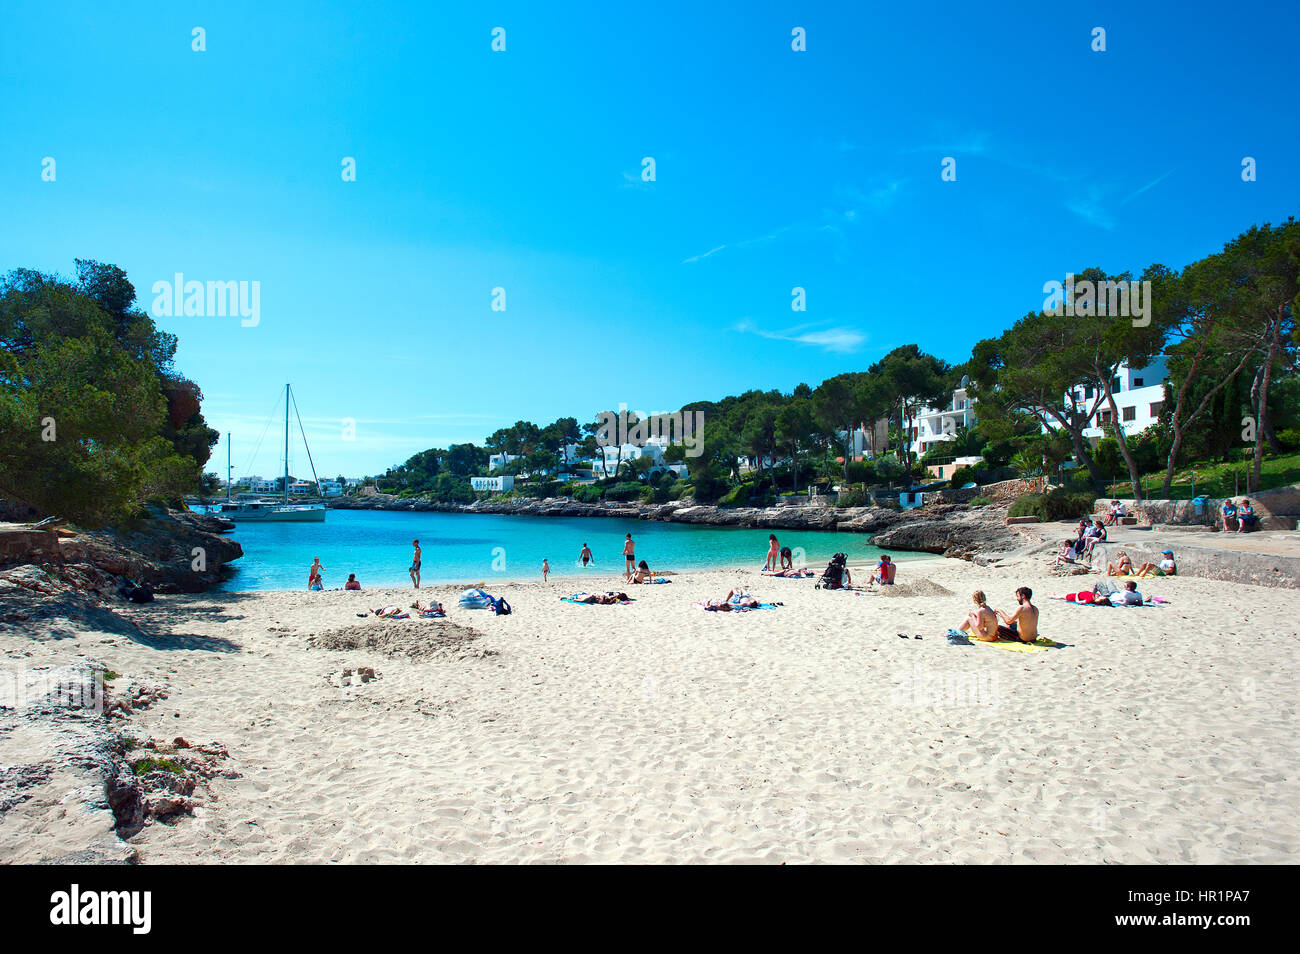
915	588
420	639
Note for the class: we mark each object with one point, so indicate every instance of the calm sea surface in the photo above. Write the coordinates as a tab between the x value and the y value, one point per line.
376	546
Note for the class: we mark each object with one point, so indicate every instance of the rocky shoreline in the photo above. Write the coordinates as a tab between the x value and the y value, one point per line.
171	552
949	529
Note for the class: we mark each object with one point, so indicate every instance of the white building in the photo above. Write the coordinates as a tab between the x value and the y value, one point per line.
934	426
331	488
1139	394
498	461
260	485
498	484
609	459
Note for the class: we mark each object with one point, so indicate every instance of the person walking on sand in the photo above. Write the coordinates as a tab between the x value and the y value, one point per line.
313	575
546	568
415	564
585	555
981	622
629	553
1023	623
773	553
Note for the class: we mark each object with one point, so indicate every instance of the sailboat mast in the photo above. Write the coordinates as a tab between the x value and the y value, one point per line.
286	443
227	466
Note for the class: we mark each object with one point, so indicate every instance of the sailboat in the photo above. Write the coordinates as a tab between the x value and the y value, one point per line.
270	509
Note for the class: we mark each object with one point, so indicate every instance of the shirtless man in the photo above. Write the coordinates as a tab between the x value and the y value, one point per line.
415	564
313	574
981	622
629	553
585	555
1023	623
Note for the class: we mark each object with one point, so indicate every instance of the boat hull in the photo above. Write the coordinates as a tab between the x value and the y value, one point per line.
289	514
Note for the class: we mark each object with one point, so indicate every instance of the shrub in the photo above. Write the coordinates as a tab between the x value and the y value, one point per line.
587	494
627	490
1029	505
979	502
852	498
963	476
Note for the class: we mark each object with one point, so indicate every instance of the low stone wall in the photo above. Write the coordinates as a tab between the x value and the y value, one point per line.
1005	491
1278	509
1260	569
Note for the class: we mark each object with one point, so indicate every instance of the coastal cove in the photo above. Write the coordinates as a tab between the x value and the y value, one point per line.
468	547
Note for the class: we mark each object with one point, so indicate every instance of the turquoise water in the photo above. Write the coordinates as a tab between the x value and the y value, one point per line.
458	548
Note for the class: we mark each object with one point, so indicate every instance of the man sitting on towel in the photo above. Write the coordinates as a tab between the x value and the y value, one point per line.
1023	623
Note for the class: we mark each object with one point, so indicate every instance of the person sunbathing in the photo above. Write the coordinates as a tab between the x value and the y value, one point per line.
736	599
1023	623
1123	568
1167	566
387	611
981	622
642	574
791	572
604	599
430	608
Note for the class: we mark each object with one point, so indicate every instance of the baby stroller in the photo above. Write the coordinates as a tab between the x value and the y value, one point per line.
832	577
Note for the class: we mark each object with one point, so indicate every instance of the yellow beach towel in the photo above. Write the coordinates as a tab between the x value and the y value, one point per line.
1038	645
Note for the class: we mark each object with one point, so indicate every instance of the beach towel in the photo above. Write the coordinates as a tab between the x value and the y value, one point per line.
656	579
1038	645
433	614
802	574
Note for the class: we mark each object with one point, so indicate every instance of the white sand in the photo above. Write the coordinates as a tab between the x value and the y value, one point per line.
655	732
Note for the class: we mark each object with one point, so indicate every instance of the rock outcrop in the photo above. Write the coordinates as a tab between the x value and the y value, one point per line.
172	552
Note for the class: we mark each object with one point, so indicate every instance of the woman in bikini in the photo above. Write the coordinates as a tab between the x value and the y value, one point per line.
1123	568
773	553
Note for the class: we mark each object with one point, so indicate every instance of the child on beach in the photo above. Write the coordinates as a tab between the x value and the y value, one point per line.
773	553
415	564
546	568
314	581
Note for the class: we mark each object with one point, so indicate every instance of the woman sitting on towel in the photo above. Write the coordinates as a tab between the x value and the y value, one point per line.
1123	568
642	574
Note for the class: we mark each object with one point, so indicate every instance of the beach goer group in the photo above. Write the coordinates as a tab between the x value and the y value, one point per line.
1243	515
982	622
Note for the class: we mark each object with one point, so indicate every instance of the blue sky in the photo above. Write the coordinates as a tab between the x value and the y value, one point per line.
522	170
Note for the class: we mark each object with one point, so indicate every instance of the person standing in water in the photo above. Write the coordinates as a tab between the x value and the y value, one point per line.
313	574
629	553
546	568
585	556
415	564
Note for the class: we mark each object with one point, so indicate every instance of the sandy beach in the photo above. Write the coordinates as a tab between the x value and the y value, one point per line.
655	732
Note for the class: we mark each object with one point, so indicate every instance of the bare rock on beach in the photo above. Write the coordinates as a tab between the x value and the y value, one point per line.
418	639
